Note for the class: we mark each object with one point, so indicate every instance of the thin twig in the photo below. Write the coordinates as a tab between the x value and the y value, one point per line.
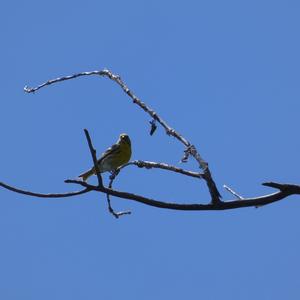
93	153
119	214
29	90
110	209
163	166
40	195
233	192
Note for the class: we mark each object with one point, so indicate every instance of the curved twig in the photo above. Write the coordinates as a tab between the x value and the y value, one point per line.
28	89
40	195
116	214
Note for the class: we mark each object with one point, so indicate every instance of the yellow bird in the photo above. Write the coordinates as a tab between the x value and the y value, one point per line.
114	157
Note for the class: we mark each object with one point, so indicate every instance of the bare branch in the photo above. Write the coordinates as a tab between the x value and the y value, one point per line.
110	209
170	131
29	90
117	215
28	193
289	189
285	190
233	192
292	188
93	153
164	166
82	183
147	165
98	189
215	195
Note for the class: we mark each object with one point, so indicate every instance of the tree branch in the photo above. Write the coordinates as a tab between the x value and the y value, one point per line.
233	192
118	214
190	149
147	165
284	190
163	166
39	195
94	157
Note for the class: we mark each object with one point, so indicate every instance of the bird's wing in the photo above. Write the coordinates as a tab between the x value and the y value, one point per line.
111	150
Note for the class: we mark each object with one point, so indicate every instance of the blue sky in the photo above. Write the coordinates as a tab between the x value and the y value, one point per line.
225	74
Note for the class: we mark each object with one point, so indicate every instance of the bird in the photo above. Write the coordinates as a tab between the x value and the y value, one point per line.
114	157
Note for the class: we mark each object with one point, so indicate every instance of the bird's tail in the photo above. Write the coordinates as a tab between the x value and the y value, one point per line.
87	174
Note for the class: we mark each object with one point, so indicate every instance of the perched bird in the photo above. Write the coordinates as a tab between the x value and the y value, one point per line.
114	157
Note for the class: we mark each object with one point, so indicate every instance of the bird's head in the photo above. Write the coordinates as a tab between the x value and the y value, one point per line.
124	138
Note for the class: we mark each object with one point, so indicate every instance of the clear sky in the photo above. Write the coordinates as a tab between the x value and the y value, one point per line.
225	74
